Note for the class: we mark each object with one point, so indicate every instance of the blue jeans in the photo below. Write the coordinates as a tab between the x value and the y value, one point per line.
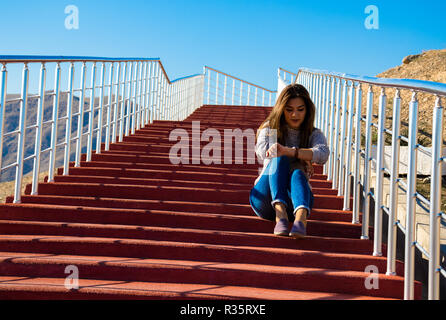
277	185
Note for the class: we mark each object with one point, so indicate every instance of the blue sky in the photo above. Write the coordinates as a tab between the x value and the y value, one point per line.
249	39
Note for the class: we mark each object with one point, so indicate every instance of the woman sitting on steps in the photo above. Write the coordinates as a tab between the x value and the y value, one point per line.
287	143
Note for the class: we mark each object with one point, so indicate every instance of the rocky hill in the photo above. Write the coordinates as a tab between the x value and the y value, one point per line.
429	66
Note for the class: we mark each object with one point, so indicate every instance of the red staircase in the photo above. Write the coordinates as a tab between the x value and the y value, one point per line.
138	227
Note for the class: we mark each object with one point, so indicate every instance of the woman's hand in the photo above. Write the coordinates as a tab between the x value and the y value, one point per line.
277	150
309	169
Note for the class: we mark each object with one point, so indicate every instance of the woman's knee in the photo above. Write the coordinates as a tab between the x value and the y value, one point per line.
261	205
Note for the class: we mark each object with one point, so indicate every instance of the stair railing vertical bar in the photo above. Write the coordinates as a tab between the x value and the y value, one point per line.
69	113
109	106
21	133
39	120
330	136
3	89
335	140
410	239
377	238
357	148
101	108
367	165
91	113
122	102
435	197
163	105
394	184
155	91
117	103
128	103
326	112
139	115
80	116
54	123
152	91
321	94
134	98
343	137
348	151
147	94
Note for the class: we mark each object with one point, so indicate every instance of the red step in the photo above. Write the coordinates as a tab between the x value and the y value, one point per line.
138	226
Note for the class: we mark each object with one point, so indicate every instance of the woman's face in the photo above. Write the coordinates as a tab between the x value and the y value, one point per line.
294	112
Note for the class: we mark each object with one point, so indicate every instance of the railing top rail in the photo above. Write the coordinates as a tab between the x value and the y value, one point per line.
413	84
187	77
235	78
287	71
4	59
32	58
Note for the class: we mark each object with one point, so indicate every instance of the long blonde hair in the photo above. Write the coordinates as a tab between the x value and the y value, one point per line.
276	119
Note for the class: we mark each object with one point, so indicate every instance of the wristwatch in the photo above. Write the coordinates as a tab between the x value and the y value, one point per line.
296	152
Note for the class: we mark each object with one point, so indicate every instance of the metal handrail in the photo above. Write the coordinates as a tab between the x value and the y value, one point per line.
48	59
248	93
138	90
340	119
238	79
411	84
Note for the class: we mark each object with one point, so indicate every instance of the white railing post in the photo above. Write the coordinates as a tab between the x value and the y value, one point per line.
68	121
241	92
21	135
146	115
129	100
123	101
342	140
367	166
225	90
101	110
80	118
109	108
38	144
377	228
138	108
216	89
54	123
409	261
348	161
335	141
209	86
152	92
117	103
91	114
330	137
3	89
435	198
255	96
356	174
394	183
